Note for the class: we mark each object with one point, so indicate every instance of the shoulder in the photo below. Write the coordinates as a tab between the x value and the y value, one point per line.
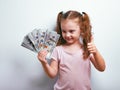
58	48
56	52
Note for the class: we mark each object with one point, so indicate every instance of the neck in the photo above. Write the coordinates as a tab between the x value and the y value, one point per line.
77	44
72	47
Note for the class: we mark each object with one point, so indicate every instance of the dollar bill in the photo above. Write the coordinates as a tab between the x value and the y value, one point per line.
28	44
51	40
40	39
33	36
42	36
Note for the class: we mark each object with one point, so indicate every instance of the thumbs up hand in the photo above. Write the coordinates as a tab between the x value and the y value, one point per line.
91	46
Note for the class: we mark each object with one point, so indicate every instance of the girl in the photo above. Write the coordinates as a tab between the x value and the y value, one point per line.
76	49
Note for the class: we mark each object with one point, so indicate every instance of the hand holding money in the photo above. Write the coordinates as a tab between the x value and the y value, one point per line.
41	39
42	56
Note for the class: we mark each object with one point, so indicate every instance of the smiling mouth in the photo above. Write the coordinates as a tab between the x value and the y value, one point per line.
68	38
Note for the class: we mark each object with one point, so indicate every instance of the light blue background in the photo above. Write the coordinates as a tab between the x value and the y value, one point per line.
19	67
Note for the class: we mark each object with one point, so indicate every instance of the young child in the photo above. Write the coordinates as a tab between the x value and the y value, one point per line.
76	49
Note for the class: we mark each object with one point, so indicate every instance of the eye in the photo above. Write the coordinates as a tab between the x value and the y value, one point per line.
72	31
63	31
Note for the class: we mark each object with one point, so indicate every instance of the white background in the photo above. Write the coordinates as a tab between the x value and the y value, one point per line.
19	67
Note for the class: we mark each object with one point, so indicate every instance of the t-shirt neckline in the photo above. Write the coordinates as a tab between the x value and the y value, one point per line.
70	53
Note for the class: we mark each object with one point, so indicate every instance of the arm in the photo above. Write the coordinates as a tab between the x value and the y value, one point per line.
52	69
97	59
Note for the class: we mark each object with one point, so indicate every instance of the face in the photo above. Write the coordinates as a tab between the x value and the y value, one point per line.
70	31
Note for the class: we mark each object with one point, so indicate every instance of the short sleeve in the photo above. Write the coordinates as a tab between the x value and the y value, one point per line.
54	54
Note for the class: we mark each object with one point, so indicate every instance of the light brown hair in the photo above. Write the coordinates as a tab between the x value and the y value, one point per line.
85	27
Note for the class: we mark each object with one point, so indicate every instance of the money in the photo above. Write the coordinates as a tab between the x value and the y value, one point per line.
51	40
33	36
41	39
28	44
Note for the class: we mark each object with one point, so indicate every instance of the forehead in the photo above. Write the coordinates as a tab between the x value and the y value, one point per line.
69	24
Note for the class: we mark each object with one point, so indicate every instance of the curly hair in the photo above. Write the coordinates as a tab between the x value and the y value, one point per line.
85	27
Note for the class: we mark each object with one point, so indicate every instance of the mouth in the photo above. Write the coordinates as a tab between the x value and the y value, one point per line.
69	40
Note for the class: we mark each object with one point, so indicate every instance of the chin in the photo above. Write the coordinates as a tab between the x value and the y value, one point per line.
70	42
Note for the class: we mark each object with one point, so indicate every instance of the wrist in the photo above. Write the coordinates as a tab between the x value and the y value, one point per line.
44	62
96	51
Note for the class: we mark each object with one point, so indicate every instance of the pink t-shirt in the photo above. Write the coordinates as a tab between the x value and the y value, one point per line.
74	72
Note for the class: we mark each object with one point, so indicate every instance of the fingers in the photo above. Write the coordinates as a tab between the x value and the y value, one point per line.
43	52
42	56
92	39
91	47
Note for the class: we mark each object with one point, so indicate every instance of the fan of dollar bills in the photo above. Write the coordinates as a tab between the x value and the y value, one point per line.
40	39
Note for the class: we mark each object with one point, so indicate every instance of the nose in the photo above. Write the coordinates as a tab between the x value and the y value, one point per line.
67	34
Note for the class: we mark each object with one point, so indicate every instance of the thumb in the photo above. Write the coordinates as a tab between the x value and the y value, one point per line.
92	39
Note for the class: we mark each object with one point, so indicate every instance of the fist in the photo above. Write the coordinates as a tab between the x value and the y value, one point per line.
91	47
42	56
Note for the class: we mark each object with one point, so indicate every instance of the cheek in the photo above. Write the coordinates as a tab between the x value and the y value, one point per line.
63	35
78	34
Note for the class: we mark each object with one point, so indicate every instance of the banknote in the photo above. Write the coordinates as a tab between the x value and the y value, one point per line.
51	40
40	39
28	44
33	36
